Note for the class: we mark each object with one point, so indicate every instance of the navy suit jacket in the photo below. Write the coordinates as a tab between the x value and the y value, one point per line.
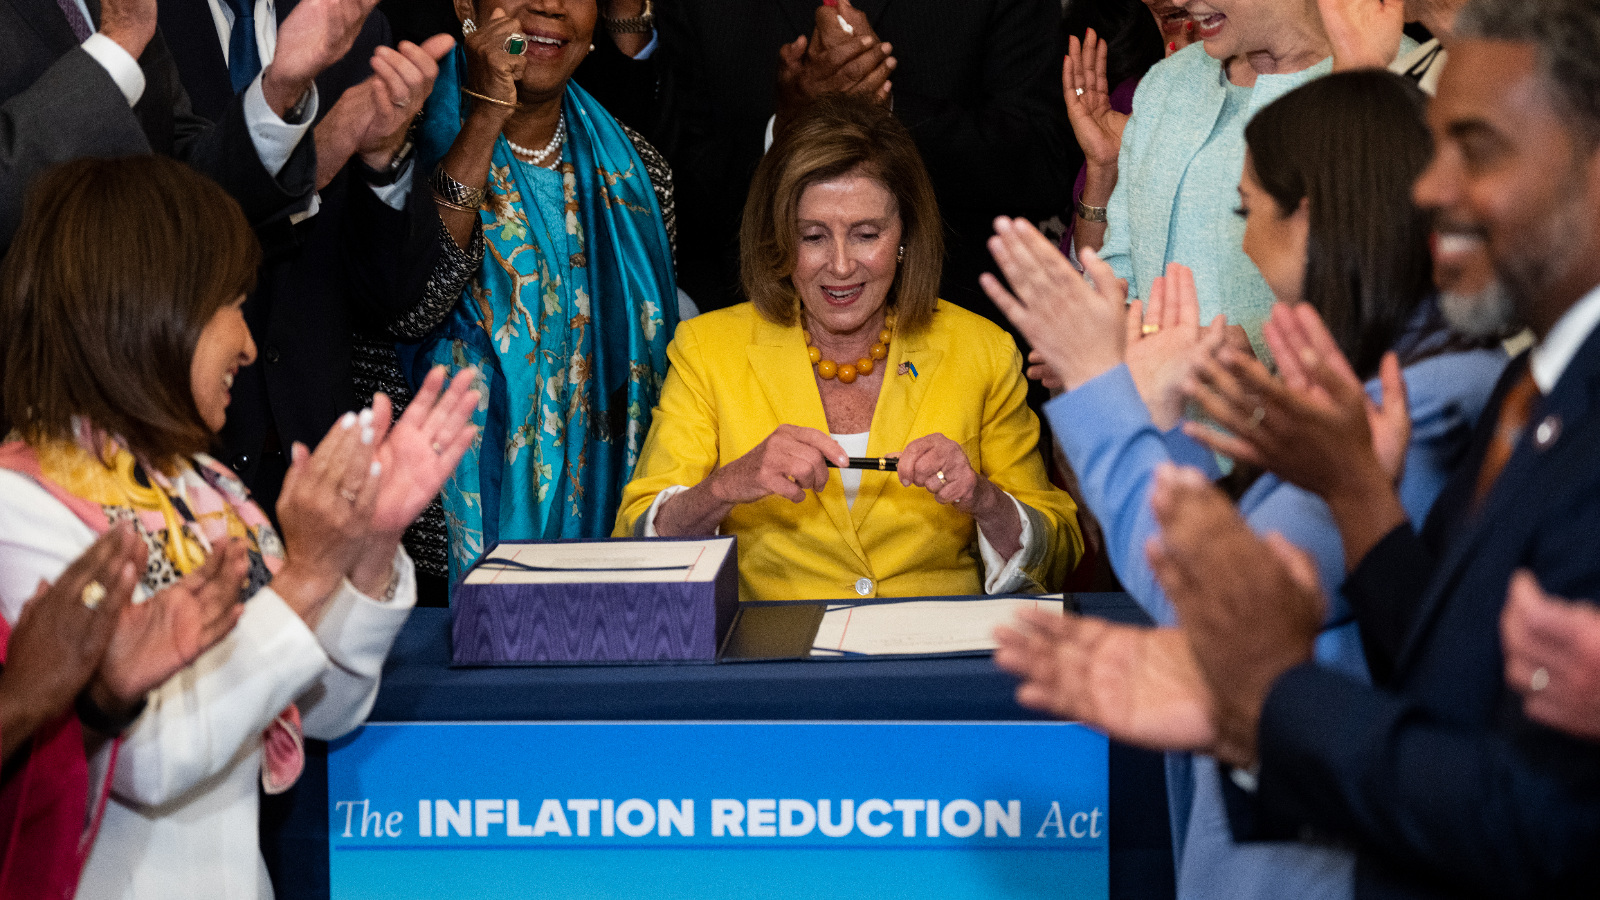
356	266
1434	773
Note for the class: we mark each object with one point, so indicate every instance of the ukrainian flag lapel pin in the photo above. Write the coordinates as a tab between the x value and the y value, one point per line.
908	368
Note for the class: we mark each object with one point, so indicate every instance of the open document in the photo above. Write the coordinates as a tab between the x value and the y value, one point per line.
921	626
602	562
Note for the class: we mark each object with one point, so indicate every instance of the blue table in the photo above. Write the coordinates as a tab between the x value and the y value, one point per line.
419	685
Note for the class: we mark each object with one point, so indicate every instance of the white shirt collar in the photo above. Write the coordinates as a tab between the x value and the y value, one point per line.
1551	356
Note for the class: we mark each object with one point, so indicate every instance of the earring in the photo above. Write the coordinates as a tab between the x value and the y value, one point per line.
900	255
468	26
591	48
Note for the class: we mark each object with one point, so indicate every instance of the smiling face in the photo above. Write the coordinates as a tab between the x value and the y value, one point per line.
1232	28
1170	18
559	33
849	233
1275	242
224	347
1511	175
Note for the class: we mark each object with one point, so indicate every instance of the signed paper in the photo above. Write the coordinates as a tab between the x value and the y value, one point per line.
602	562
921	626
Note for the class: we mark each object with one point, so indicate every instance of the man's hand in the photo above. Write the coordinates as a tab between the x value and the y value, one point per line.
316	34
1138	685
371	118
1552	649
131	23
1252	609
833	61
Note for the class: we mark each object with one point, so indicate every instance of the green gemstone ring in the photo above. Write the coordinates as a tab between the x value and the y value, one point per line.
516	44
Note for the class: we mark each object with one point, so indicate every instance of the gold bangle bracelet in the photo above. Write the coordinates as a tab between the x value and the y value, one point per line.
497	102
456	206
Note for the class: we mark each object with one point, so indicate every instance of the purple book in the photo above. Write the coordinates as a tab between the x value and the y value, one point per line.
622	600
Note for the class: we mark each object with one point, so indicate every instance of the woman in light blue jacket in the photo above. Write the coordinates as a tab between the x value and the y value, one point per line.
1328	219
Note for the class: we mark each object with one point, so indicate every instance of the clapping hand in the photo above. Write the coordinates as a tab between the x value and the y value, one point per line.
314	36
1165	343
1140	686
1251	609
833	61
1365	34
423	448
61	636
1077	326
371	118
1552	649
160	636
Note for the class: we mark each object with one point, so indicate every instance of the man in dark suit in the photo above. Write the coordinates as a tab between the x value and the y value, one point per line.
67	90
1434	773
357	263
976	81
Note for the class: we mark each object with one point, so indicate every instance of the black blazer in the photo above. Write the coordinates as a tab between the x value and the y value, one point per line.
978	84
58	104
1434	774
355	266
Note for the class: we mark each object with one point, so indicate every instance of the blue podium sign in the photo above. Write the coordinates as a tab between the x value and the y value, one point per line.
718	809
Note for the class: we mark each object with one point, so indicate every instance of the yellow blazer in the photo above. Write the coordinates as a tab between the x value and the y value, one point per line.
735	377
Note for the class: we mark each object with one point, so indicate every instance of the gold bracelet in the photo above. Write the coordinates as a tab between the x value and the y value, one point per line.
497	102
456	206
1091	213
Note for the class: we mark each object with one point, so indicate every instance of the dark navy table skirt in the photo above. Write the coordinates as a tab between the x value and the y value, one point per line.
419	686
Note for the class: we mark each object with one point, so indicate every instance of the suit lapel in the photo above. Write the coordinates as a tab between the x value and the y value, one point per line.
898	402
46	18
778	362
1567	417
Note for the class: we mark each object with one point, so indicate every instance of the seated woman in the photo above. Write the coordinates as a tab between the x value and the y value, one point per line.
1329	221
120	303
563	295
845	350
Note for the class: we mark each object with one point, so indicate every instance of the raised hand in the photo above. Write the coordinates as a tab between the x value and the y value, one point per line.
62	633
491	71
1251	609
1077	326
326	509
1365	34
423	448
131	23
1138	685
314	36
160	636
1096	125
1552	649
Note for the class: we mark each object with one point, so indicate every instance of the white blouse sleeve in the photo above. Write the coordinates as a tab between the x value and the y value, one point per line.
356	632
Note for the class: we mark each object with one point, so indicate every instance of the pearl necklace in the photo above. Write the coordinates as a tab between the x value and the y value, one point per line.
538	157
848	373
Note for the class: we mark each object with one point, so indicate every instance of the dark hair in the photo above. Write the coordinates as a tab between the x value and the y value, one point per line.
116	268
835	135
1133	38
1351	144
1566	34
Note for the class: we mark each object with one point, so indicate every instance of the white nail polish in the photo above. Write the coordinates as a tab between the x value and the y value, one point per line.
366	416
367	434
376	468
348	420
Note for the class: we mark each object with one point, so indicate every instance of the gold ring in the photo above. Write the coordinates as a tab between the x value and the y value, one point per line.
348	495
437	450
1540	679
93	593
940	475
1149	329
1256	417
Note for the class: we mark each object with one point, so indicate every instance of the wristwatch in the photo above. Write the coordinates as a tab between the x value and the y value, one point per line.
1091	213
643	23
390	173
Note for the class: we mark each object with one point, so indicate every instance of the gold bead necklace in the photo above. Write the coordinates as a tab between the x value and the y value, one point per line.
848	373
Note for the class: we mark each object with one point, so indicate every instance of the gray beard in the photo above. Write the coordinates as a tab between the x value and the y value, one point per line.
1487	313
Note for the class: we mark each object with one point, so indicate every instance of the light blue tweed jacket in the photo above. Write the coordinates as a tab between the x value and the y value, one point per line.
1176	114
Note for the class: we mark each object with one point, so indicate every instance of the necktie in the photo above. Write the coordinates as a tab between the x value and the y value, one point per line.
1515	410
244	60
80	25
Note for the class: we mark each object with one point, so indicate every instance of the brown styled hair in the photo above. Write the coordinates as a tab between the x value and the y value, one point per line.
835	135
115	270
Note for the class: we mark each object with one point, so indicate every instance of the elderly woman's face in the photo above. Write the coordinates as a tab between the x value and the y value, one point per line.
559	33
224	348
849	235
1234	27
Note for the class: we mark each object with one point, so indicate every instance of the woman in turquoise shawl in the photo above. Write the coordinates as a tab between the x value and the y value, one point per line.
555	211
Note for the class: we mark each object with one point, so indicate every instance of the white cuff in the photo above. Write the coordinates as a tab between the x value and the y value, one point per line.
395	195
649	520
771	121
1010	576
1247	780
118	63
274	139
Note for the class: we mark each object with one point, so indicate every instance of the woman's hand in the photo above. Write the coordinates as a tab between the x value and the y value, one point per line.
1077	326
1096	125
791	461
160	636
939	465
59	639
1165	343
1365	34
491	71
329	498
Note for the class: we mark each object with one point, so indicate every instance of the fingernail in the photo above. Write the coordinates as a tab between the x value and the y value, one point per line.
348	420
366	416
1172	47
367	434
375	468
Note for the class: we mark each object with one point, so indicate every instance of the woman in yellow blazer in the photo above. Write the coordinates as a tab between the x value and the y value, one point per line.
840	254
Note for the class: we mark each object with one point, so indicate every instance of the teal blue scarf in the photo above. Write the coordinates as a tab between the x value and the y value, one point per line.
568	320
